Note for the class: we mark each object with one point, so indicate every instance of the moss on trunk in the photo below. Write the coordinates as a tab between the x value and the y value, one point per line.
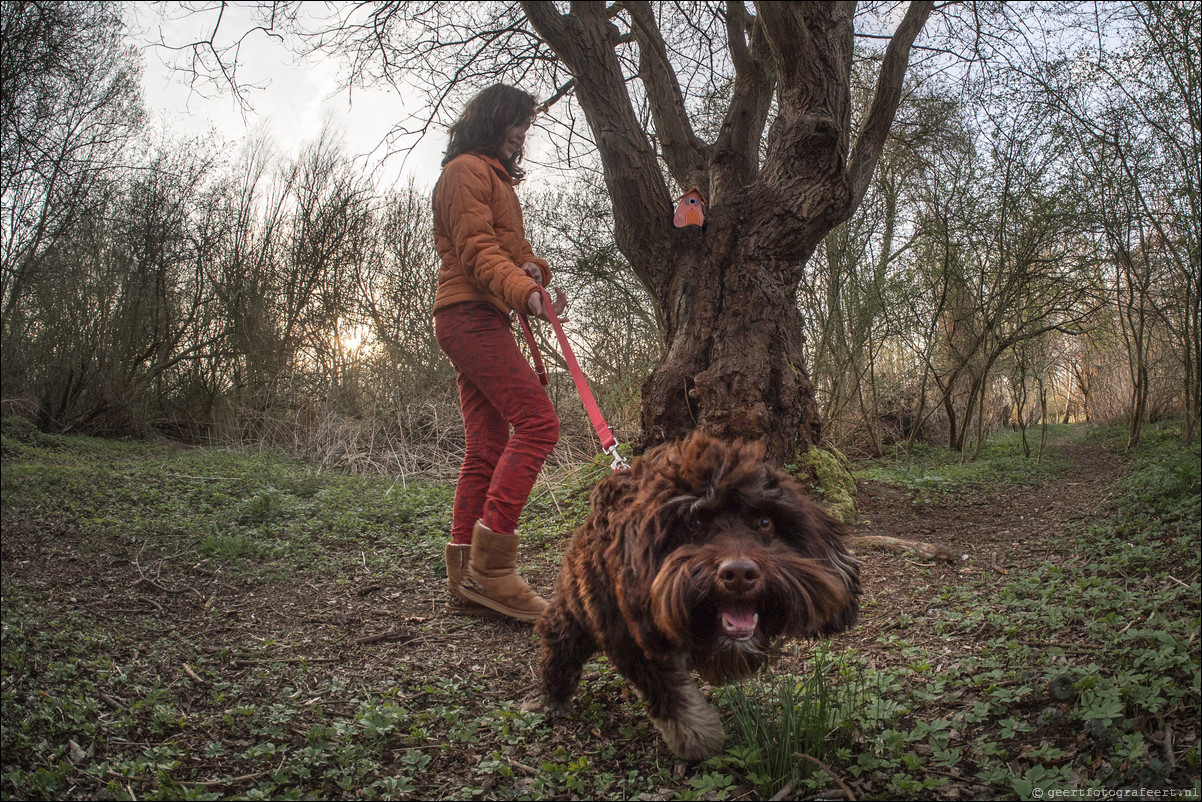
831	482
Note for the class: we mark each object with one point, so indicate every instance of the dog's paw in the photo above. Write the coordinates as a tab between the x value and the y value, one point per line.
545	707
694	736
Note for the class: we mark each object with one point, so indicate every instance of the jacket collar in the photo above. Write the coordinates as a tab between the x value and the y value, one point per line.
496	165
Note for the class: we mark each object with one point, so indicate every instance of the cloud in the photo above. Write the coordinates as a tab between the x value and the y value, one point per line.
290	98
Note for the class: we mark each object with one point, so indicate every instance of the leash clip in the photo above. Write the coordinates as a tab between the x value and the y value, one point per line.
618	463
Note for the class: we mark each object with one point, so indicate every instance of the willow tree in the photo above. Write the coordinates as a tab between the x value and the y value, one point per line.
771	148
781	172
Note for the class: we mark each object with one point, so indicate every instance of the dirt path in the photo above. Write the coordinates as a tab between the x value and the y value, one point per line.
358	622
993	534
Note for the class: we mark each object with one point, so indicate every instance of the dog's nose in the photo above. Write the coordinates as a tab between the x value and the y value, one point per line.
739	575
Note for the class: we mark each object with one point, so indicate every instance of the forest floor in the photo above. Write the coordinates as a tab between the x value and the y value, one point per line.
994	531
189	623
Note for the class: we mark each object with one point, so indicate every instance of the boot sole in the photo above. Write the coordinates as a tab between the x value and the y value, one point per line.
495	606
470	608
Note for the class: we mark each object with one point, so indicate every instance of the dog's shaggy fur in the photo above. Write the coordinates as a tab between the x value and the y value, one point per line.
701	557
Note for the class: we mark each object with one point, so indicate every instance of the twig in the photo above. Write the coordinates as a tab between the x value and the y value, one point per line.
152	601
157	586
783	792
230	781
392	634
897	545
1083	648
192	674
125	610
203	478
188	550
832	774
951	774
246	661
522	767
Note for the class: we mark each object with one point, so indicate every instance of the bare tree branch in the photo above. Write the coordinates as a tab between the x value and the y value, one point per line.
871	140
736	151
683	152
584	41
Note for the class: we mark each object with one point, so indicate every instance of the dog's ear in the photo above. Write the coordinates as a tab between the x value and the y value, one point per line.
629	508
618	526
607	498
804	523
809	529
641	563
828	530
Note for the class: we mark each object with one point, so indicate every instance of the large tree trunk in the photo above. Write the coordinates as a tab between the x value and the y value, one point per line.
734	358
726	294
733	361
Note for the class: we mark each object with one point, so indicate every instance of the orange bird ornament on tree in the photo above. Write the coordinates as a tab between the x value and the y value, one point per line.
690	209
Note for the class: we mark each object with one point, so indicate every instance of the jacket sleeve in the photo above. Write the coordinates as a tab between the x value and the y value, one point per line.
469	220
527	255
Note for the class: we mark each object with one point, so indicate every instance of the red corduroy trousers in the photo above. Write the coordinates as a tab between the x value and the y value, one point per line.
497	389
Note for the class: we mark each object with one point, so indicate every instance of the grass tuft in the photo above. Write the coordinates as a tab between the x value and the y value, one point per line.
786	726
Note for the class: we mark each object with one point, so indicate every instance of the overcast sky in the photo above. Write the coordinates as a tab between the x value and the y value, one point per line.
298	96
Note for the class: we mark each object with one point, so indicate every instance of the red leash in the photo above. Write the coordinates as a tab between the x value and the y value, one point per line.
608	441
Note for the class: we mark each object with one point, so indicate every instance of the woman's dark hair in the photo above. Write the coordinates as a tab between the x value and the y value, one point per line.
484	120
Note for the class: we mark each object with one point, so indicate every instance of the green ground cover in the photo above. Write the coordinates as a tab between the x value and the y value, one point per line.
159	605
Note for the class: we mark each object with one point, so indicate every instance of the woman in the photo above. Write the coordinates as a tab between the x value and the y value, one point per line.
489	269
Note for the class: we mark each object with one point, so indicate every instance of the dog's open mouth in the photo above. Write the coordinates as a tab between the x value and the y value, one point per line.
739	625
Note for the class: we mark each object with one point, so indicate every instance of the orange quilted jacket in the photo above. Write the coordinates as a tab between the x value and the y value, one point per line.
480	237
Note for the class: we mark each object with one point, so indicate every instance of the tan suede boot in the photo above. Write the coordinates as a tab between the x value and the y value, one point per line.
457	557
492	579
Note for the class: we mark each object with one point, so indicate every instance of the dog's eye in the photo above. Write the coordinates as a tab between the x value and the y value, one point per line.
766	525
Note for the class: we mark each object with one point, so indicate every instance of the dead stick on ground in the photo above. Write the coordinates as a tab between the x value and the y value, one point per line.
230	781
110	701
157	606
832	774
243	661
522	767
392	634
897	545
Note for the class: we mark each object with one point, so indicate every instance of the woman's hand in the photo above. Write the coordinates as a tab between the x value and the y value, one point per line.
535	272
539	309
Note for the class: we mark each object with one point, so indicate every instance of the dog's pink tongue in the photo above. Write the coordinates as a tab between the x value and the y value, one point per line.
740	626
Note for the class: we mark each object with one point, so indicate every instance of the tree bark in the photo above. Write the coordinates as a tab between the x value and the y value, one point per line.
733	361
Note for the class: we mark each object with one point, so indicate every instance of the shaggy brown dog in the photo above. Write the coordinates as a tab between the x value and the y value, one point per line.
703	556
